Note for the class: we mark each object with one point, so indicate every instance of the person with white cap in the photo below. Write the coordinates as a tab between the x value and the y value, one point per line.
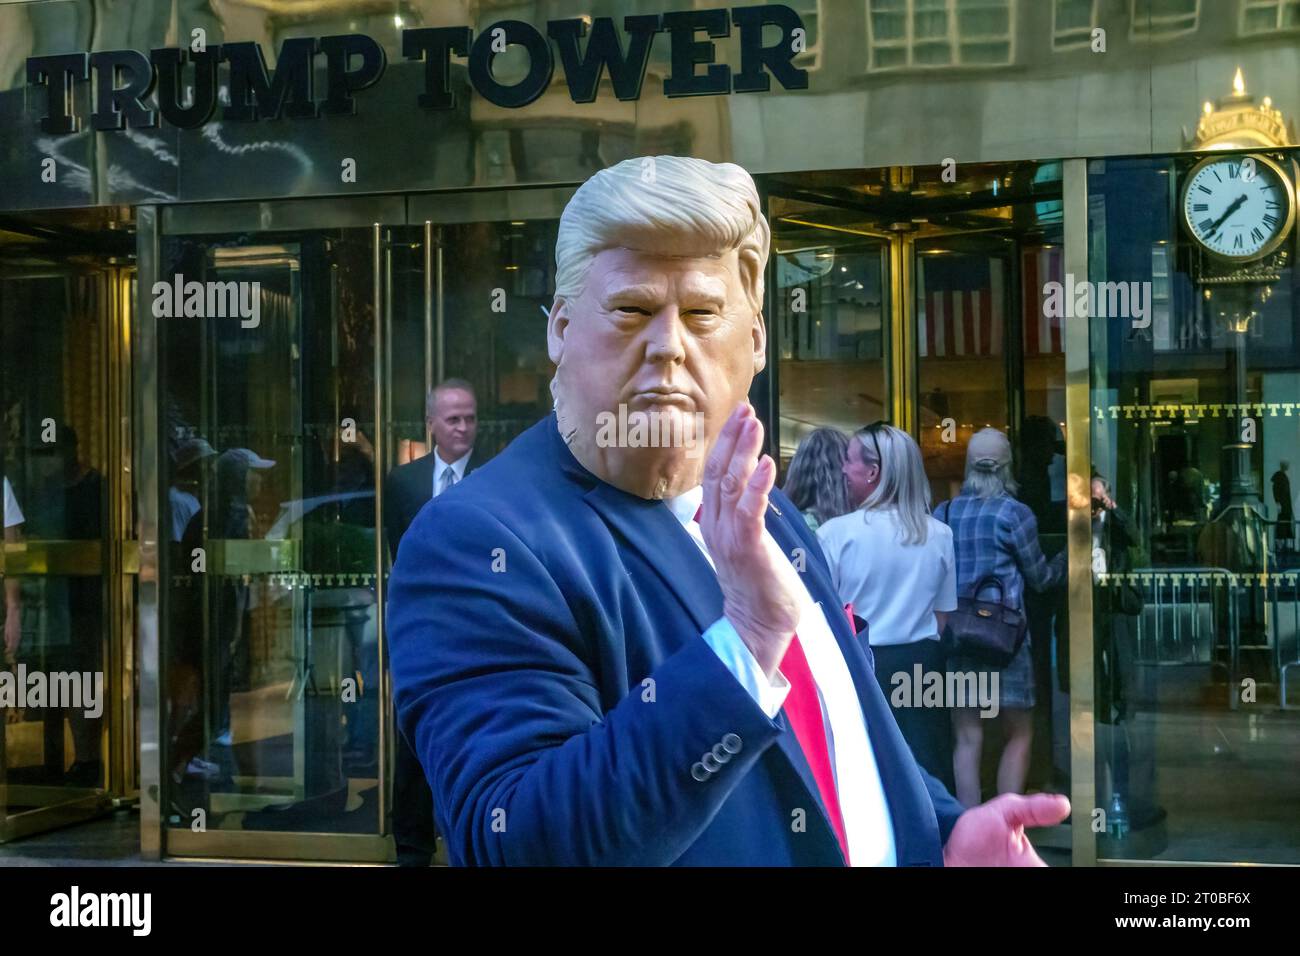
238	483
995	534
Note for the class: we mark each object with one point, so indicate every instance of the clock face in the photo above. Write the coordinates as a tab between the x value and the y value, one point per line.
1238	207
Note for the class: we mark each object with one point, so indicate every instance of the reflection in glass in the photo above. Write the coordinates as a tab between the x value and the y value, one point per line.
962	306
271	648
51	367
1195	753
828	320
497	282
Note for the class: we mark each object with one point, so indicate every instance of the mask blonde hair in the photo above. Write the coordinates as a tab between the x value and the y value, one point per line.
671	204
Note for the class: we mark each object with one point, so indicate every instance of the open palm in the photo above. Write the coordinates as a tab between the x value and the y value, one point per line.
993	834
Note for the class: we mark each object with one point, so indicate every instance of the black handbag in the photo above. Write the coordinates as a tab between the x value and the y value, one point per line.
1128	600
986	630
989	632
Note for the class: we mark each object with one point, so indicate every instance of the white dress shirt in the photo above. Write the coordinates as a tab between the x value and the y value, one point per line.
863	806
439	466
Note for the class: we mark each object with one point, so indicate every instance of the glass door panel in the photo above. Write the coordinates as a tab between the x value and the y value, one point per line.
962	304
276	712
1195	596
273	698
489	280
56	664
829	319
988	354
496	284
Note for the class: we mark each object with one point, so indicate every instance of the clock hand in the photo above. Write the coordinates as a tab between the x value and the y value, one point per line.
1236	204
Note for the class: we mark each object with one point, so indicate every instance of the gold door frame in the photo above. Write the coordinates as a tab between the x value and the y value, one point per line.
123	551
1078	467
148	473
114	558
157	839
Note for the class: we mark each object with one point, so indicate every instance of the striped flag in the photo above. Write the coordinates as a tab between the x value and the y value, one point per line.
1039	266
961	304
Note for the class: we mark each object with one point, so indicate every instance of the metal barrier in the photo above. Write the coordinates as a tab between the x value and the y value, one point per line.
1282	597
1285	594
1204	616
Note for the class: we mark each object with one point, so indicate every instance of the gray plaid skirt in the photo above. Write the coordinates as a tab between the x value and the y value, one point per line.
1015	681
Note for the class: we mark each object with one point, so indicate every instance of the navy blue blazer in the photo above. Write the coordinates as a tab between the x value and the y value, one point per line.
548	669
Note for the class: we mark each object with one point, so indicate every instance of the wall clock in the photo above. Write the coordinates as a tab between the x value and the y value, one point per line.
1238	208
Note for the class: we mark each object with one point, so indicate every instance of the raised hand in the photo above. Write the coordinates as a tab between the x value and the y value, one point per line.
759	587
993	834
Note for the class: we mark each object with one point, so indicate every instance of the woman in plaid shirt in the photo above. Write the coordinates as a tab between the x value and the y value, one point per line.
993	533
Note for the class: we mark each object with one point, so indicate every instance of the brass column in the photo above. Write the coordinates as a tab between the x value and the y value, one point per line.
1078	461
902	333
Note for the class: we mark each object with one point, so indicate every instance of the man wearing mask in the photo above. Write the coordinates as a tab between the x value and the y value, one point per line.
608	652
451	417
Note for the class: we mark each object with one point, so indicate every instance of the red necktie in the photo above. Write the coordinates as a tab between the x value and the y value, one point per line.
803	711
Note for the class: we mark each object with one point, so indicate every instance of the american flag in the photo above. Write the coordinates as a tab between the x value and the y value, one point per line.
1040	265
961	304
963	300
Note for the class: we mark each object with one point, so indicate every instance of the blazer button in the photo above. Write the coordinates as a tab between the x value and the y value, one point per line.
720	754
704	762
731	743
700	772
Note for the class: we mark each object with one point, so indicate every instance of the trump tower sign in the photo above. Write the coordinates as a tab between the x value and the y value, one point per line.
124	79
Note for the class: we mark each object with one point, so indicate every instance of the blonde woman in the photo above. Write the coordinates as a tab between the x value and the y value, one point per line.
895	564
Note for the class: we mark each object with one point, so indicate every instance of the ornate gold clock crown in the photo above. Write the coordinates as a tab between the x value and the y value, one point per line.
1236	122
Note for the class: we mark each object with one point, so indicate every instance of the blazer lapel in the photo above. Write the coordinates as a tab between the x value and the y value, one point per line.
651	529
653	532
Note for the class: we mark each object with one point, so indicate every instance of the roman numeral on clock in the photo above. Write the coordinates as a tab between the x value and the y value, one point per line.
1236	243
1270	221
1200	207
1206	189
1256	235
1205	224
